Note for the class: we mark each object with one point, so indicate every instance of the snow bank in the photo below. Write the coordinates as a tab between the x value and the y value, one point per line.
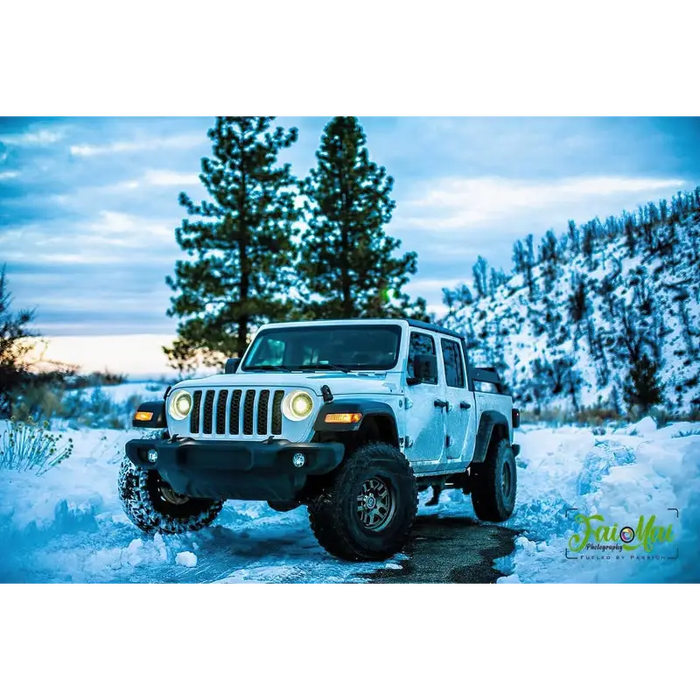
68	526
188	559
621	475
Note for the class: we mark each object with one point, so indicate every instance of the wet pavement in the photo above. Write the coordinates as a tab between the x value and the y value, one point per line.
450	550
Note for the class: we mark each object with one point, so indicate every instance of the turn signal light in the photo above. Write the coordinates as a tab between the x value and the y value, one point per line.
343	418
144	416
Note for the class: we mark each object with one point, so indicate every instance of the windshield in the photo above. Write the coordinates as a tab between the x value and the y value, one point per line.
352	347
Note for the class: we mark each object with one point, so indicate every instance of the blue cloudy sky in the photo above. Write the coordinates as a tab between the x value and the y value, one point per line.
88	207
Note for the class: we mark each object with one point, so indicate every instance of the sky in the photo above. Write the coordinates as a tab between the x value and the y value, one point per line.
88	207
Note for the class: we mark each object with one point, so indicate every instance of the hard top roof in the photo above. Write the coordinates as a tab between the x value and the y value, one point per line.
435	328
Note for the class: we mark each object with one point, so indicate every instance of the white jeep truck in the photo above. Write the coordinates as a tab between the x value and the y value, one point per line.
350	418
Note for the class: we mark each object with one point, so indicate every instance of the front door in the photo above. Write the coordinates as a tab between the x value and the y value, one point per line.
460	417
425	413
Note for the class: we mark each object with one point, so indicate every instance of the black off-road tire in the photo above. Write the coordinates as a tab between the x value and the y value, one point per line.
494	483
335	513
141	494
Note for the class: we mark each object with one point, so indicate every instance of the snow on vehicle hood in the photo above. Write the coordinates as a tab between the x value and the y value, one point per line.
340	384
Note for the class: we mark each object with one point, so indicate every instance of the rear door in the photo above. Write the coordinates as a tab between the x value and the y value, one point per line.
460	413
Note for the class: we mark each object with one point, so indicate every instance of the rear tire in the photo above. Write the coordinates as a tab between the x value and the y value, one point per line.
152	505
366	511
494	483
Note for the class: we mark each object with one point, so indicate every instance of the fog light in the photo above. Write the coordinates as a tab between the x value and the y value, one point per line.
152	456
299	460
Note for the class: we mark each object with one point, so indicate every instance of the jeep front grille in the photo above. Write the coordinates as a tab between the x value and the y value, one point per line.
194	416
236	412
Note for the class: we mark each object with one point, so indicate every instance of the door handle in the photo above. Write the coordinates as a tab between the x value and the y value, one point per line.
464	405
439	403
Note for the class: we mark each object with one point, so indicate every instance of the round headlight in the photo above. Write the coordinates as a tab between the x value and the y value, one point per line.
180	404
297	405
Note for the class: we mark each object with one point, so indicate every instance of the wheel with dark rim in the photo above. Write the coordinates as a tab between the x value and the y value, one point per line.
494	483
376	503
366	511
153	506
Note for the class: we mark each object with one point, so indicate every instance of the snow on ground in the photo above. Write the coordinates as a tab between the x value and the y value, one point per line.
623	474
68	526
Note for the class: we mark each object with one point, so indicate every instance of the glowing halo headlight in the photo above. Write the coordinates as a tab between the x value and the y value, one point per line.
180	404
297	405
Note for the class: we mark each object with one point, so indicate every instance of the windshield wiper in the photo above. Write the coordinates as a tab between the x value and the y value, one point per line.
269	368
325	365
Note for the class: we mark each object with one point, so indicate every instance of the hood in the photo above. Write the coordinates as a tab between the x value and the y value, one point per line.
340	383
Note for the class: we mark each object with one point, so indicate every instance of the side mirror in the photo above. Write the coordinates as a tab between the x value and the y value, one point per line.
424	370
232	365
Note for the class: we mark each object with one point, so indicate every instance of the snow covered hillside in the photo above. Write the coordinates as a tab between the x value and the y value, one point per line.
68	525
606	316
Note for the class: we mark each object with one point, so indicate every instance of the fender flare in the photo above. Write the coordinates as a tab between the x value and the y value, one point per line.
367	407
487	424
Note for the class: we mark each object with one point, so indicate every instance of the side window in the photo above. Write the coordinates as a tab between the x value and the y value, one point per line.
421	344
485	387
454	367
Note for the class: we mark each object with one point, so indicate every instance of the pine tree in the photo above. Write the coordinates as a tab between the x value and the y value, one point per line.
588	242
630	235
347	265
480	273
642	389
573	237
578	300
456	299
497	278
14	346
519	258
529	263
549	259
548	248
240	241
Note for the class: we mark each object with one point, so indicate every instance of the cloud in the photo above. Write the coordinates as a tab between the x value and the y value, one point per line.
9	175
145	144
115	222
112	237
33	137
458	203
95	292
169	177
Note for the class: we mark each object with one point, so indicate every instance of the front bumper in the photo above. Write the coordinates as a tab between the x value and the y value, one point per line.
223	469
